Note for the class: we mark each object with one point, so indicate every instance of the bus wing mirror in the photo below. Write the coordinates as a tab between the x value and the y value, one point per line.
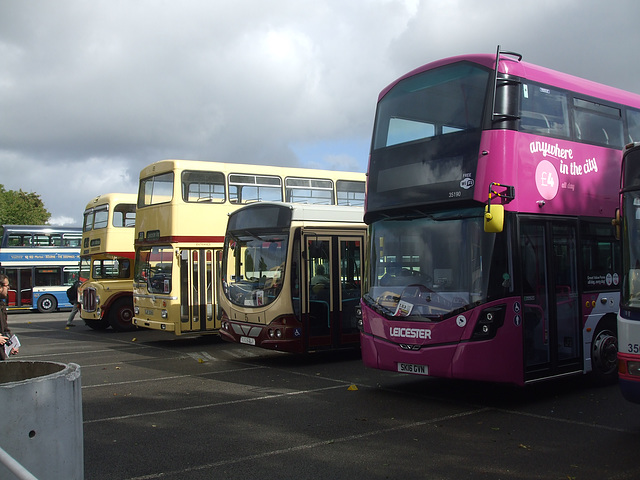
616	224
493	218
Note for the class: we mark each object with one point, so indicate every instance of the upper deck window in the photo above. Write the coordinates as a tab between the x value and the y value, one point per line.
18	240
88	220
124	215
254	188
427	137
597	123
156	189
101	217
430	104
350	193
633	123
199	186
71	240
544	111
309	190
37	240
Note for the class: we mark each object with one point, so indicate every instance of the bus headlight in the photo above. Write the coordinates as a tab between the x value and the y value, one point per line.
164	314
490	320
136	310
274	333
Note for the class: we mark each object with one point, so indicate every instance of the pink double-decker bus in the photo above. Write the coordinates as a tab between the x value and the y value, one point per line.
491	254
629	316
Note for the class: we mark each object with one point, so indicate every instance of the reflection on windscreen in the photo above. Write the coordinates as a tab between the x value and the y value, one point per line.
253	268
154	267
427	268
436	102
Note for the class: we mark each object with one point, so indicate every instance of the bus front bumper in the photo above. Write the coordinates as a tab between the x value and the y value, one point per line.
154	324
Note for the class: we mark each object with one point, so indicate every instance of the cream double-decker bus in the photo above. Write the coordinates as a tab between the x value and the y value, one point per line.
181	222
106	261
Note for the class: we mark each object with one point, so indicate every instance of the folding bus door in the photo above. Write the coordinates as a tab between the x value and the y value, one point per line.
320	281
350	291
551	321
197	290
333	290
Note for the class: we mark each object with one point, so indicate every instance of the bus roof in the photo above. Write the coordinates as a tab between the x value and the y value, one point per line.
314	213
40	229
106	198
169	165
510	65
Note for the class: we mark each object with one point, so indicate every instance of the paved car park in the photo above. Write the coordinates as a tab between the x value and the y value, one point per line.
159	406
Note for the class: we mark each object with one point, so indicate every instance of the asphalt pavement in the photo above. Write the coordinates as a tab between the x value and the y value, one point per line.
156	406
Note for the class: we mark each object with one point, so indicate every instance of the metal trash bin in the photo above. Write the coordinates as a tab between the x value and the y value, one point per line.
42	418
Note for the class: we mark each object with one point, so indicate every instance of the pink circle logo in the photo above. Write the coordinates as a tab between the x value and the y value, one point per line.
547	180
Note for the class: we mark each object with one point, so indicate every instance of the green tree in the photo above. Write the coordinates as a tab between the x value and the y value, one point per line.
22	208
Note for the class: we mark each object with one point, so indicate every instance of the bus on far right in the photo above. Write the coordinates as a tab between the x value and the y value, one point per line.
629	315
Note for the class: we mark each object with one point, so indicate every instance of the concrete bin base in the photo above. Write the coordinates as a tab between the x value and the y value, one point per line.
41	404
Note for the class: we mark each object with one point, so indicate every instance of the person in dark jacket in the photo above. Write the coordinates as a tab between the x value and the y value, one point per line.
5	333
72	295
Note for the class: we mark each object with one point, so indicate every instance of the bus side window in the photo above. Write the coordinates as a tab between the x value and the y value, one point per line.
350	192
544	111
599	124
201	186
633	126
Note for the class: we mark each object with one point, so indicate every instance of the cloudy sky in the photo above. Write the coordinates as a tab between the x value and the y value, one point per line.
92	91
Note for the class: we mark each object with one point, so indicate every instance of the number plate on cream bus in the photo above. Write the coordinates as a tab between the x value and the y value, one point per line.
248	340
413	368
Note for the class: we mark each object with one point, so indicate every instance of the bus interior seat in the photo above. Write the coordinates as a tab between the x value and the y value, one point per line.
25	296
534	121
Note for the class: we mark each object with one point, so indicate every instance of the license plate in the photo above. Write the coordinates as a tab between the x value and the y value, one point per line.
148	312
413	368
248	340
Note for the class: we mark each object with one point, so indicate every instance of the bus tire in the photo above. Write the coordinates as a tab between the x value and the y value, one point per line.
604	352
121	315
47	304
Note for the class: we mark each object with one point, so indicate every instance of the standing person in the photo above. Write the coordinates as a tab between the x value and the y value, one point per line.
5	333
72	295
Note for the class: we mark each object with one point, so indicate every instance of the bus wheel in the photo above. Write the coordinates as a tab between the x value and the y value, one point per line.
121	314
47	304
604	352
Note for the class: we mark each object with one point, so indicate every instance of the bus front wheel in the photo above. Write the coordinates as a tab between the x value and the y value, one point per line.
47	304
121	314
604	352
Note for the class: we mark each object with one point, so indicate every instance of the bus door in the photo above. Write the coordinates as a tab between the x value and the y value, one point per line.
333	290
551	313
197	289
350	288
20	290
